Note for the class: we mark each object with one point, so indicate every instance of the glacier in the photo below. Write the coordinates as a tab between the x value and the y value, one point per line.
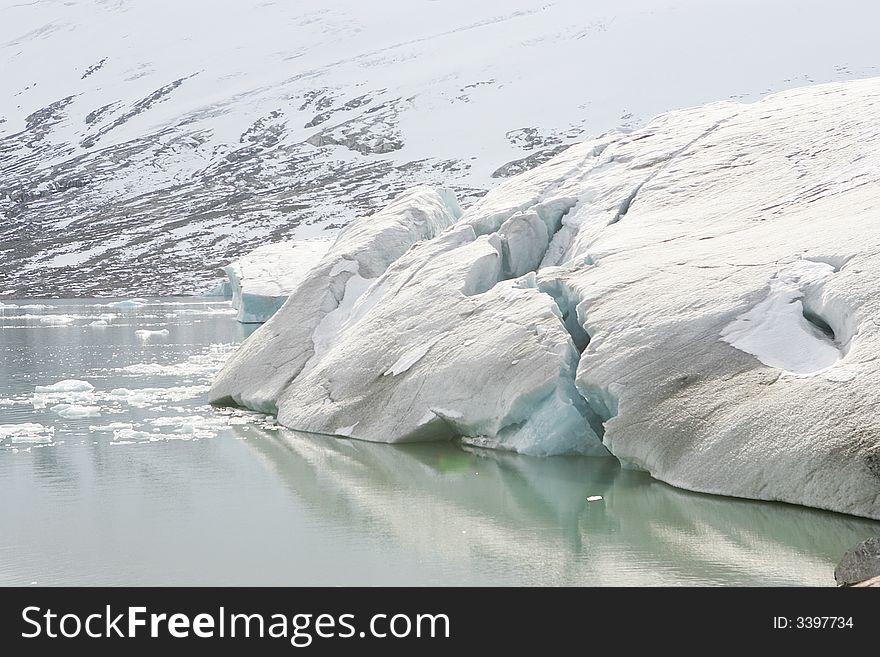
696	297
329	295
260	281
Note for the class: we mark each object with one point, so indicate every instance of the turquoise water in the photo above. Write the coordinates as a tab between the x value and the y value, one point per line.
133	479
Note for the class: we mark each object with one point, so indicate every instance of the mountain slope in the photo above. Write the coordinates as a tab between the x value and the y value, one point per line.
145	144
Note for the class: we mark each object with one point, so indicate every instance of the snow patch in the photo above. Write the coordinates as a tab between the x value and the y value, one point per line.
778	331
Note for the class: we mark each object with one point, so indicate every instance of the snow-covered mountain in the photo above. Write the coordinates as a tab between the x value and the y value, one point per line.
145	143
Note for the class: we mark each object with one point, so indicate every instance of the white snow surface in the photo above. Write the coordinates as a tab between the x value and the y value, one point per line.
261	280
697	296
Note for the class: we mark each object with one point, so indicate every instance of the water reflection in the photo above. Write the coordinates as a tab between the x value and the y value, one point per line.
529	521
193	495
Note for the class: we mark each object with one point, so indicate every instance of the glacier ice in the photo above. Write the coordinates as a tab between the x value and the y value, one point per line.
319	307
260	281
697	297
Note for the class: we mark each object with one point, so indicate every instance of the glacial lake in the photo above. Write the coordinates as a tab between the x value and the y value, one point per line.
129	478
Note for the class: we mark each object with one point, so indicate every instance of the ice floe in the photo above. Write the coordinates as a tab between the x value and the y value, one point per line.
148	334
26	433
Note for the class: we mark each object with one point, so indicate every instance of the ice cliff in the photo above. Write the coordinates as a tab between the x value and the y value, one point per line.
697	297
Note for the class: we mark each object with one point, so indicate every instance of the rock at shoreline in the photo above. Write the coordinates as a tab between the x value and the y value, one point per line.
861	565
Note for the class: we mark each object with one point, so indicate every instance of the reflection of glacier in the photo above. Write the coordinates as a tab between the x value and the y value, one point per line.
527	520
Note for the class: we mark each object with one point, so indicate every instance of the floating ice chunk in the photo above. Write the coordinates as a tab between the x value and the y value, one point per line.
75	411
201	365
195	425
147	334
26	432
56	320
144	397
113	426
67	385
205	311
129	436
133	397
104	319
128	304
